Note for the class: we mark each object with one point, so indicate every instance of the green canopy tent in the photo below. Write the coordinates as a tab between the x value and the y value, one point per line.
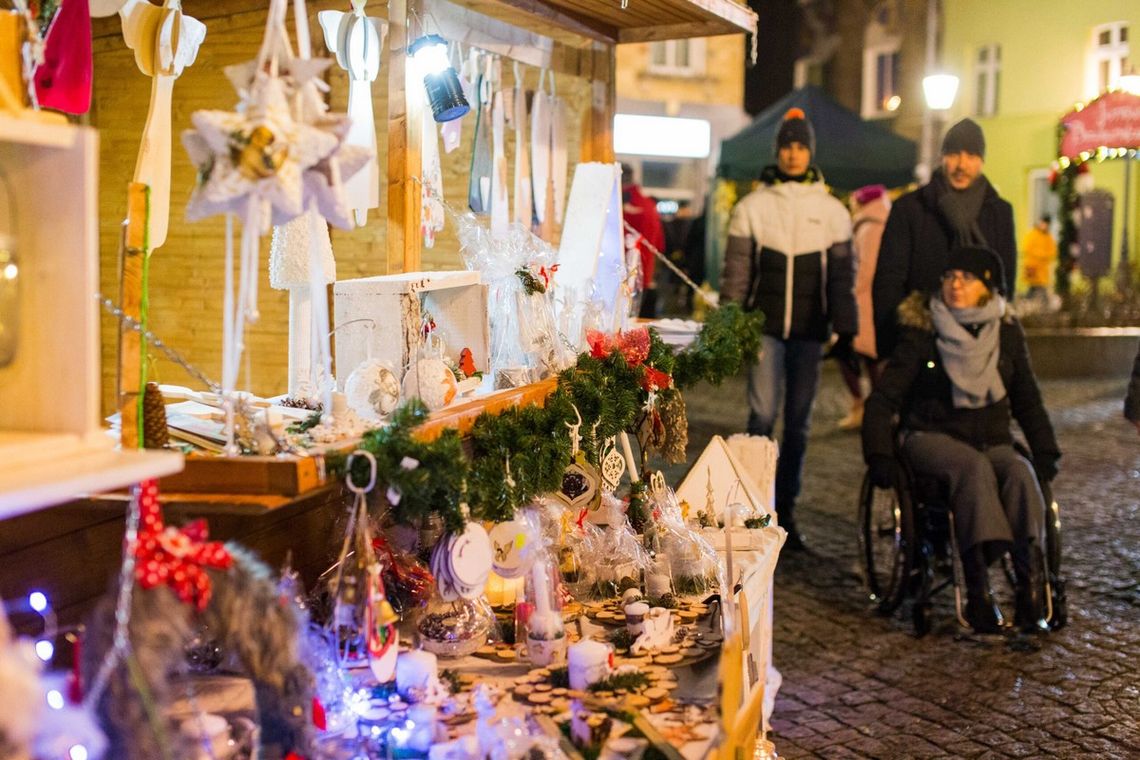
851	152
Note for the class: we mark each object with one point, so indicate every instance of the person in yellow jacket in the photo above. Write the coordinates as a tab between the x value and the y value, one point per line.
1039	257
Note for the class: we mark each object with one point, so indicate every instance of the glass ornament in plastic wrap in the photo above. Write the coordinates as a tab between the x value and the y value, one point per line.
615	558
693	563
455	627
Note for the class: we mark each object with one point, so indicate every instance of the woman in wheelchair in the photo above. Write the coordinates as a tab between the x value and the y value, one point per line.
959	373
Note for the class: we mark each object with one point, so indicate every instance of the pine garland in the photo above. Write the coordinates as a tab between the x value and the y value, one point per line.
728	342
423	479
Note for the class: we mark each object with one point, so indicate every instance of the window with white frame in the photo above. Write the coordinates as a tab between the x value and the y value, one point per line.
987	80
881	81
677	57
1109	57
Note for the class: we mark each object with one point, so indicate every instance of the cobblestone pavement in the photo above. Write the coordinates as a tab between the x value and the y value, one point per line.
859	685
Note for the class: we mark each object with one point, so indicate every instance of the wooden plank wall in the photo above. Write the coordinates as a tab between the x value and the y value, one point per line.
72	553
186	273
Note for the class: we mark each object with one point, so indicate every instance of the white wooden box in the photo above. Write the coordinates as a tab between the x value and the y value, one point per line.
457	302
52	446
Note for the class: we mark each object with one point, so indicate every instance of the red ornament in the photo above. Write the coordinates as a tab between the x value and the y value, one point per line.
655	380
63	80
175	557
633	345
320	721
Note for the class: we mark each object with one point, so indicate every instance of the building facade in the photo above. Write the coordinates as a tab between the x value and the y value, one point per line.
1023	64
700	80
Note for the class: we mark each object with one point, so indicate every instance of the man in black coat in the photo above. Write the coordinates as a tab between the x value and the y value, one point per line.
957	207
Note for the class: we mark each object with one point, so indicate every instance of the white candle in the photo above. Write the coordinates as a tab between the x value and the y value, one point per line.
628	451
541	583
415	669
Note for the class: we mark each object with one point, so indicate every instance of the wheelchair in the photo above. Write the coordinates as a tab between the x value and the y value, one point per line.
908	548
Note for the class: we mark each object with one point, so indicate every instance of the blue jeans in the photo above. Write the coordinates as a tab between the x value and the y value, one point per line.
788	371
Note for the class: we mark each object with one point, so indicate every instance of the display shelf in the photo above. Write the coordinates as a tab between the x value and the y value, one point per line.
43	469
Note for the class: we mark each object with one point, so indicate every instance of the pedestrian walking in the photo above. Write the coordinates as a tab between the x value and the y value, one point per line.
641	212
789	256
1039	257
957	207
958	377
871	205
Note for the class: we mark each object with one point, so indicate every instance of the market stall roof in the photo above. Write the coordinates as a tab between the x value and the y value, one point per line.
1110	121
608	21
850	151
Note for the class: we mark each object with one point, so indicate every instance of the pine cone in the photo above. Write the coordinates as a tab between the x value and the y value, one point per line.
155	433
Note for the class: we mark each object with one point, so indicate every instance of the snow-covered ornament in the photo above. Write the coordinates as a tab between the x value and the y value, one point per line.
432	381
372	390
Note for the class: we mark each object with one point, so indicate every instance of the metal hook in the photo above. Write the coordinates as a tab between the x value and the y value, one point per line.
371	476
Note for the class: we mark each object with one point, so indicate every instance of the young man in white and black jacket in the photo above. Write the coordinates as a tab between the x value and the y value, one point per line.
789	256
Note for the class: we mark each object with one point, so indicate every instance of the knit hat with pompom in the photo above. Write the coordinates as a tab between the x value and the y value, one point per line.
796	128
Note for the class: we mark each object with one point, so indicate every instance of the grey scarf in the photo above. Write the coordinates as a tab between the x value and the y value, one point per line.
970	361
960	208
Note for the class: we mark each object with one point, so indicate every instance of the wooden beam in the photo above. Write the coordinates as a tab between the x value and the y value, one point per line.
130	301
544	18
598	125
676	31
404	193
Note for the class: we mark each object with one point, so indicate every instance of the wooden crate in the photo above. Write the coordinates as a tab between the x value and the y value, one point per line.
457	301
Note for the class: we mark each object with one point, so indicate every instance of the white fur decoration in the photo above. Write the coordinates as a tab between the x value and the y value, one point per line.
289	253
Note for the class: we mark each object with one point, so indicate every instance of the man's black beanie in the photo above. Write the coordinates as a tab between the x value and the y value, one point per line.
967	136
796	128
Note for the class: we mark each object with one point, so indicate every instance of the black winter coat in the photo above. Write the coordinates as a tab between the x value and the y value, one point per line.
1132	401
916	244
915	388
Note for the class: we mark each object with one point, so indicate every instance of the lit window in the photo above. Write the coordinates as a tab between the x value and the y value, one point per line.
677	57
1109	57
987	80
881	81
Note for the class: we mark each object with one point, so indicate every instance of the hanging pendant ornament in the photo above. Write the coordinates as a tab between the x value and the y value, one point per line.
361	619
581	483
357	41
63	80
431	190
165	42
500	203
540	152
479	182
613	465
524	206
509	542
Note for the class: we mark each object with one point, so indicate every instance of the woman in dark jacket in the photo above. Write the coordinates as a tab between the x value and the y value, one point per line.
959	374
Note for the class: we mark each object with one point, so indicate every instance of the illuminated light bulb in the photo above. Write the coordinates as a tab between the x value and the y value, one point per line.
445	94
55	700
37	600
939	91
45	650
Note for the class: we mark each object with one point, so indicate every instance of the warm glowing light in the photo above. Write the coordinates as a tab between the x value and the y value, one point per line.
940	91
893	103
637	135
55	699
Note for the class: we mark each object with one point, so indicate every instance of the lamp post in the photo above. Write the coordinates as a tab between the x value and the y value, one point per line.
938	88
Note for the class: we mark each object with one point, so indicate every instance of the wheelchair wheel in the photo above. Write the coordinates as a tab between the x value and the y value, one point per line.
1058	603
886	542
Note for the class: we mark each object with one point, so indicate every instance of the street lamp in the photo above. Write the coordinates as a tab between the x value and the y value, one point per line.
940	90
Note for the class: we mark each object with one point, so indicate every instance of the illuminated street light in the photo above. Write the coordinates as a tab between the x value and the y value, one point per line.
940	90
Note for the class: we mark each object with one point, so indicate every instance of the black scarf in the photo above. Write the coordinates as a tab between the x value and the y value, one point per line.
771	175
960	208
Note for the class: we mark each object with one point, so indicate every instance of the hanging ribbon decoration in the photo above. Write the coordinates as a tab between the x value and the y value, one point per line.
524	204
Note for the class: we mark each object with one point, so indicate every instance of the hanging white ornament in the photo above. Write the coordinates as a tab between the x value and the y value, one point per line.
432	381
372	390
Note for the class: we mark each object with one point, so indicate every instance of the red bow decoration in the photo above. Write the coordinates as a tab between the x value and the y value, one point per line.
655	380
175	557
633	345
